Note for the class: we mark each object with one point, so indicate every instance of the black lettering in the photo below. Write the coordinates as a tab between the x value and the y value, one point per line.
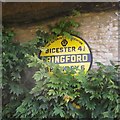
74	66
64	49
48	59
61	49
69	49
82	67
57	51
73	49
47	51
53	50
80	48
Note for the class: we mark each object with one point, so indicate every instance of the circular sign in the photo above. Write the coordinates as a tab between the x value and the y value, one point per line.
73	52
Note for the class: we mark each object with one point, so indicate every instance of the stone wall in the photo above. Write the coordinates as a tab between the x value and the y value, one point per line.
99	29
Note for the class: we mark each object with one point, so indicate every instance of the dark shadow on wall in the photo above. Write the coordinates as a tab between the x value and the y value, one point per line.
22	13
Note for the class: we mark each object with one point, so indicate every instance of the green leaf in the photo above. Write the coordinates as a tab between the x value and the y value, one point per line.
39	76
58	111
56	31
21	109
16	89
75	13
51	92
67	35
106	114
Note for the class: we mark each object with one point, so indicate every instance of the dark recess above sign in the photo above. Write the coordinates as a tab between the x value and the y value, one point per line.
16	12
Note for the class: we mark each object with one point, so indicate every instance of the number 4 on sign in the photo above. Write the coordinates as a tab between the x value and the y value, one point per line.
81	49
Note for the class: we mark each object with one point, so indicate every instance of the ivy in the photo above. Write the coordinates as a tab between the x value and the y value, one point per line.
64	28
14	63
72	94
85	95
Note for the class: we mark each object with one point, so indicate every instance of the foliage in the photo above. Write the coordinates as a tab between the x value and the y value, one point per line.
69	94
14	62
64	27
72	95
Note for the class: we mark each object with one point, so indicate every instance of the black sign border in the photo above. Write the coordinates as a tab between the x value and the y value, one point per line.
89	50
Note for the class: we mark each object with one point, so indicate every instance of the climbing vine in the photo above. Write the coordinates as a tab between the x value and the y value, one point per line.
14	62
67	94
70	95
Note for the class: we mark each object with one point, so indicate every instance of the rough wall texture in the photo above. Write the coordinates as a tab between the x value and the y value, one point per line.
99	29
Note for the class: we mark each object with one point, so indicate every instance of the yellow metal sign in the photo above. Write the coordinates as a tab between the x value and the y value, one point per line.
73	52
